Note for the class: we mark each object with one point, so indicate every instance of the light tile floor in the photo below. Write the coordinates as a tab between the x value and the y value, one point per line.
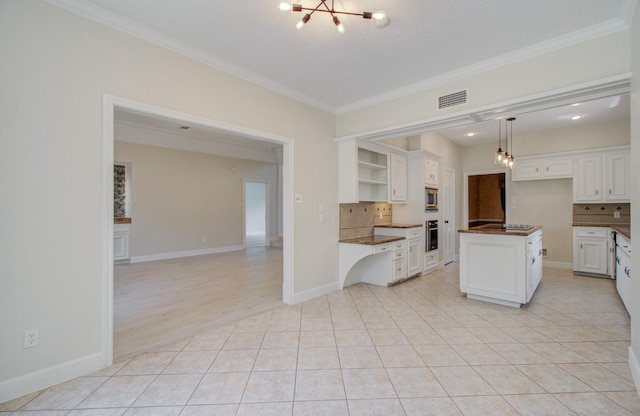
418	348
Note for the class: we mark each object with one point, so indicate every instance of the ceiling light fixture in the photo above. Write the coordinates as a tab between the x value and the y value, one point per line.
380	18
576	117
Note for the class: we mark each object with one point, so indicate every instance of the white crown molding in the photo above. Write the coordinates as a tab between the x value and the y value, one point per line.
100	15
593	32
105	17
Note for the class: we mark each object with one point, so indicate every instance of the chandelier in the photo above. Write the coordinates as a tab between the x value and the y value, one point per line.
379	18
503	158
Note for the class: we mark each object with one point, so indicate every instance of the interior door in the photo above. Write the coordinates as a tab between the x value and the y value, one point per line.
448	215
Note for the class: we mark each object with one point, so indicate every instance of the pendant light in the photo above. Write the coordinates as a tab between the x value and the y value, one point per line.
503	158
499	156
511	158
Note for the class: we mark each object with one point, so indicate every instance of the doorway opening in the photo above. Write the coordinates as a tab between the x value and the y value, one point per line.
485	197
114	104
255	213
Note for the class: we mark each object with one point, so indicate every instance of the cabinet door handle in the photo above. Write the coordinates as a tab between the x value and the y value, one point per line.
596	192
609	191
580	246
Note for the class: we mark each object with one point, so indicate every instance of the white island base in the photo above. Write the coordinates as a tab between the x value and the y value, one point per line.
499	266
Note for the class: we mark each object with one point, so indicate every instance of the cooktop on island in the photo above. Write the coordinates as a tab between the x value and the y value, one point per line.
524	227
508	227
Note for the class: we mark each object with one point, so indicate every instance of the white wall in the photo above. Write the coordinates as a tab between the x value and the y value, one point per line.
184	201
634	355
56	67
551	200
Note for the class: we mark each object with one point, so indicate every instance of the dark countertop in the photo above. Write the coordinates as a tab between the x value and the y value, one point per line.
371	240
395	225
498	230
624	229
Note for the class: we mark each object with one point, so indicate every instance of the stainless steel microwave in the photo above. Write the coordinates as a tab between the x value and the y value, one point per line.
430	199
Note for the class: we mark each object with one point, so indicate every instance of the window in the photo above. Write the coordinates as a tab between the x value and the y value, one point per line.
121	190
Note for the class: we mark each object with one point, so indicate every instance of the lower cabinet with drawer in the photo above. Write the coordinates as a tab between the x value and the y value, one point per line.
591	251
413	248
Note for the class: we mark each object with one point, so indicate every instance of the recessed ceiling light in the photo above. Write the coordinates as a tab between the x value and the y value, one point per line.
470	134
576	117
575	104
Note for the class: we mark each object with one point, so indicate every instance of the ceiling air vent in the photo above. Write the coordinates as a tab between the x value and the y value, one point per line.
451	100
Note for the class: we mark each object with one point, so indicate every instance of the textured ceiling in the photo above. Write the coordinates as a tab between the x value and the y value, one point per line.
426	39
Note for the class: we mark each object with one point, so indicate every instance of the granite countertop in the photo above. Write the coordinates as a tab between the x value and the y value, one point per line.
371	240
122	220
624	229
498	230
396	225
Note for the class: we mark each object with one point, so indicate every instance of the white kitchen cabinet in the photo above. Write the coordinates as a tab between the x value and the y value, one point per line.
121	243
414	256
590	250
623	268
618	176
431	172
398	178
363	172
542	167
603	177
399	269
413	247
587	182
430	261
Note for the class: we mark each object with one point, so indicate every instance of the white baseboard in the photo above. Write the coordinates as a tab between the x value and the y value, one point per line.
557	264
314	293
41	379
187	253
635	369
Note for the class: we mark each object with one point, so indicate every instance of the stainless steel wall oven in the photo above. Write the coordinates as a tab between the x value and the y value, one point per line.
431	235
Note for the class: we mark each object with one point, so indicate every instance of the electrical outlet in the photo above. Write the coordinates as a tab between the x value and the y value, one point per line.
31	338
616	214
533	212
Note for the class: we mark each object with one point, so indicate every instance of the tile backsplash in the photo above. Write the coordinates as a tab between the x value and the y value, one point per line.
598	213
357	220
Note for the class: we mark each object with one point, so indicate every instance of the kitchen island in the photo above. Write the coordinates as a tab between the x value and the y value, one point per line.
501	264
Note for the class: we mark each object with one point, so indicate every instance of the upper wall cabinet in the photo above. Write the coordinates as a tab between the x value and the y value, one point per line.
528	168
603	177
371	173
431	166
398	178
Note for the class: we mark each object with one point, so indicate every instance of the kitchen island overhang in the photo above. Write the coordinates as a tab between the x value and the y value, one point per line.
501	265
